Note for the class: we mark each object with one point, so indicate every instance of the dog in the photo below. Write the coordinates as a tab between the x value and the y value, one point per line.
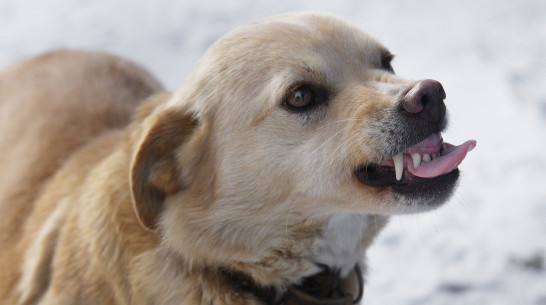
262	180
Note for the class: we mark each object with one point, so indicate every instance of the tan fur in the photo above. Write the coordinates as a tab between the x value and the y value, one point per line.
105	204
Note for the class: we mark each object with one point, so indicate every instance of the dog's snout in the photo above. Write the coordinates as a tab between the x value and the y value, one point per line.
426	100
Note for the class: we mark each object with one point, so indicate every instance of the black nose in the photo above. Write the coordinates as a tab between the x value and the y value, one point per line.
426	101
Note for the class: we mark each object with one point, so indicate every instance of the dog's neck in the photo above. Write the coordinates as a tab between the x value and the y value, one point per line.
340	247
338	251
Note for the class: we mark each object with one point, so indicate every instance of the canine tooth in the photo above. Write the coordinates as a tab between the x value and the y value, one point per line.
416	160
426	158
398	165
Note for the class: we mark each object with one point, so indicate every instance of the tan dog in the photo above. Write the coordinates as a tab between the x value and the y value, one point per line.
268	173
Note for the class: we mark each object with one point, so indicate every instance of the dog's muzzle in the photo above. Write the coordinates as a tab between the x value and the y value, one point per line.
417	163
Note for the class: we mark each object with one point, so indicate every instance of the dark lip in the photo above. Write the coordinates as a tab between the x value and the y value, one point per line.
434	191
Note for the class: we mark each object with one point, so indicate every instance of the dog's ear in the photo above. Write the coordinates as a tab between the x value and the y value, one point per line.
154	169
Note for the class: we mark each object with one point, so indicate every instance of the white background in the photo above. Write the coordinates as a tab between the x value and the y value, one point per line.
486	246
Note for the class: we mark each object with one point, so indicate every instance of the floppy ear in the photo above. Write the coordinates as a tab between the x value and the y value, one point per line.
154	169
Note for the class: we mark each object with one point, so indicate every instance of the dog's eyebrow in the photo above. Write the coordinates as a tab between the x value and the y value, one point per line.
307	68
310	74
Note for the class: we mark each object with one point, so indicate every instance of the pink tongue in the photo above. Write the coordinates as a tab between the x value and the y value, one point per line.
448	161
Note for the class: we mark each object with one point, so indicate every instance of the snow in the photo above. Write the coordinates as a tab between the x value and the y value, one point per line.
488	244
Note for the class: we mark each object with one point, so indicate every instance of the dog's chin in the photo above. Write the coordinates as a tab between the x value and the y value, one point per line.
427	193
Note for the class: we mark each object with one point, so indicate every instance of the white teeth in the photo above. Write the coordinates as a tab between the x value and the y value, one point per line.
426	158
416	160
398	165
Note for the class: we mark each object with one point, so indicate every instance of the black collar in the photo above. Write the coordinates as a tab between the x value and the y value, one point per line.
320	289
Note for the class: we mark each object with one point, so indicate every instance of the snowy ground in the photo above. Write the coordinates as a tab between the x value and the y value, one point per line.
488	245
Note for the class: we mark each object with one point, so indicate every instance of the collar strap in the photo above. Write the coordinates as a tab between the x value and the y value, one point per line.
295	296
320	289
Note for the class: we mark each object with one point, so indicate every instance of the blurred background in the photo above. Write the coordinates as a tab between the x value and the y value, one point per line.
488	244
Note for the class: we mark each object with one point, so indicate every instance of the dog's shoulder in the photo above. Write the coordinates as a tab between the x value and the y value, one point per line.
64	114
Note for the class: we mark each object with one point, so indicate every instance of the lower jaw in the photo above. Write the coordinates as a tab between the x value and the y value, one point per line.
434	191
427	191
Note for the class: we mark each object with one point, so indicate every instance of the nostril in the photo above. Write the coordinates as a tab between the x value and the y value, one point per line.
426	98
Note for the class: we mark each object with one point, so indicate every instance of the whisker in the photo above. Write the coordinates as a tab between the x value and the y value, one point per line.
345	143
339	121
329	139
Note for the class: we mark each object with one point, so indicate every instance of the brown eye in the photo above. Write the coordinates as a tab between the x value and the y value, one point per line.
300	97
305	97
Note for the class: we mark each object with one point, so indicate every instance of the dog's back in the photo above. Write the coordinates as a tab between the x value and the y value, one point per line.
51	106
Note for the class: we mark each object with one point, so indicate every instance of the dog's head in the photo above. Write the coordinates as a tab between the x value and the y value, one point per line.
283	123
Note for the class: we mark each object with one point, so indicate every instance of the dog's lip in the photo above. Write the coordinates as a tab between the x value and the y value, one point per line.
446	161
445	157
449	158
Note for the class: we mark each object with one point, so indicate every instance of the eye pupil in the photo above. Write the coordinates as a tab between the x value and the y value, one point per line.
300	97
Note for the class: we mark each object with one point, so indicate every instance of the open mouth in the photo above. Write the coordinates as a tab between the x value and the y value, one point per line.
429	166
